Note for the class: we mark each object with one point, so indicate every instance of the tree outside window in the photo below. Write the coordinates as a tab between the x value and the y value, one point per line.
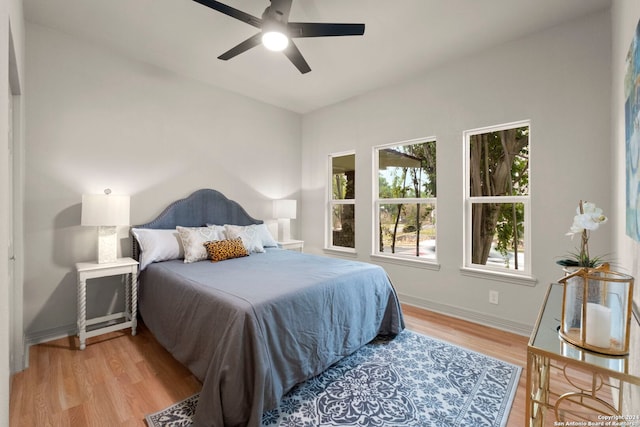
406	200
498	198
342	201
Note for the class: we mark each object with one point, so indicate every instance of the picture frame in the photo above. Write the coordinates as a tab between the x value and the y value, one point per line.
632	137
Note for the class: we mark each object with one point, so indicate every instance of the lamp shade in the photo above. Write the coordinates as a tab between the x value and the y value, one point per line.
104	209
284	209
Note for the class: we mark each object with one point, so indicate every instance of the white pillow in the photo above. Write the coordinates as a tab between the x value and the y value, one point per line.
251	237
267	238
194	238
265	235
157	245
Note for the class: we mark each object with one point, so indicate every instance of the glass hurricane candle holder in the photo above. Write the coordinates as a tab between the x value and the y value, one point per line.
596	310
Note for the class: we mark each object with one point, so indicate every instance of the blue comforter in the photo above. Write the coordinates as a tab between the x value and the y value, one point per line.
251	328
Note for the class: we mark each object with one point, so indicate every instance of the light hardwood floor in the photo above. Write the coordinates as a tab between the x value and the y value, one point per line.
119	379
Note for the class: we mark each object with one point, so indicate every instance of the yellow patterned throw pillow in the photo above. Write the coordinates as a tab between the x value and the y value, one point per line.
219	250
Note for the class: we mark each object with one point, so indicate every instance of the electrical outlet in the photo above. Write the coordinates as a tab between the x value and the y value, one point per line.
494	297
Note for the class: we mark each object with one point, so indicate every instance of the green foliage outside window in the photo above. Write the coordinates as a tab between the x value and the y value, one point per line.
498	166
407	176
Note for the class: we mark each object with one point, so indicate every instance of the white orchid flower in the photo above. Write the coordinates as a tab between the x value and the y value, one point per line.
575	229
594	212
589	220
588	217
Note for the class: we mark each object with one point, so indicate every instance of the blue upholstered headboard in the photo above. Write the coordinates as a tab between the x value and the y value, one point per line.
202	207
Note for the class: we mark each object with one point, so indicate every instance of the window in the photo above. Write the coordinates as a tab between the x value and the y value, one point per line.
497	200
405	200
342	201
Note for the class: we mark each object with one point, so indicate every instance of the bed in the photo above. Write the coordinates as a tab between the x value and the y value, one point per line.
250	328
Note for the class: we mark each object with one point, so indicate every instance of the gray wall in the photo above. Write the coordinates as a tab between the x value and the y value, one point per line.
560	80
96	120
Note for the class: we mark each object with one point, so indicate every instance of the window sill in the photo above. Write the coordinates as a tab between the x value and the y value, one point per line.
429	265
515	279
348	252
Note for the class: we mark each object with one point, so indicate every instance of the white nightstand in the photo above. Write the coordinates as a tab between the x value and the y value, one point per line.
93	270
292	245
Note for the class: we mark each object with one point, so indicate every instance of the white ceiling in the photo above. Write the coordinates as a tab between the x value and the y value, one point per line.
403	38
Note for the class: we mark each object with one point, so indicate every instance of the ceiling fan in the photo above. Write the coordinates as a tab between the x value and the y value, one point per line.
277	32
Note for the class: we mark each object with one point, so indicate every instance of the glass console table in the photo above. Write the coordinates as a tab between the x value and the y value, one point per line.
570	386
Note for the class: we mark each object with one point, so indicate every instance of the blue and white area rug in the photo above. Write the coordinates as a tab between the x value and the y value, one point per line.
409	381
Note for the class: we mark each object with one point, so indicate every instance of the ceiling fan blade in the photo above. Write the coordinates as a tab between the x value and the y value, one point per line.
317	29
242	47
293	53
281	8
232	12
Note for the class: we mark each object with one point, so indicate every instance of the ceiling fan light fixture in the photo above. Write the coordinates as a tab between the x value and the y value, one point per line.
275	40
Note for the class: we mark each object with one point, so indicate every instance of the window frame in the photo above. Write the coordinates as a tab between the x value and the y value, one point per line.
331	203
491	270
431	263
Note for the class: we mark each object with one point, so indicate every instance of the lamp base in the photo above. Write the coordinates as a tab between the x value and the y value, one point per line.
284	230
107	244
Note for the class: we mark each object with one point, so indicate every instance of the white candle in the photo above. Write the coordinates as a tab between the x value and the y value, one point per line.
598	325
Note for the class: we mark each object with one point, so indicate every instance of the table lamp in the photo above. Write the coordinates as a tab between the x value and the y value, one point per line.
284	211
105	211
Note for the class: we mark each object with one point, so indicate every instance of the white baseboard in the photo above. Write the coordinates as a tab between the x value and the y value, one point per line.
51	334
45	336
470	315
